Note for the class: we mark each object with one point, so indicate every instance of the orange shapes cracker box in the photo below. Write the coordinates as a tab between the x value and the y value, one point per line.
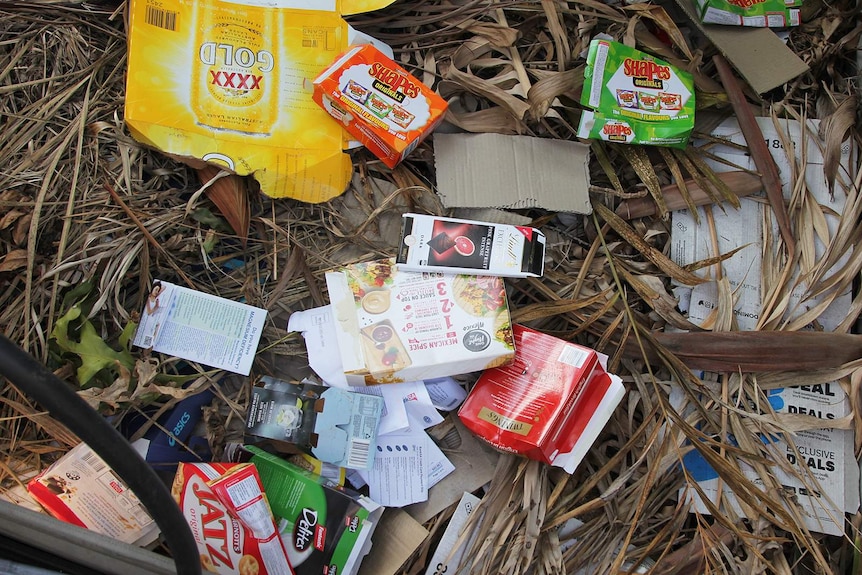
379	103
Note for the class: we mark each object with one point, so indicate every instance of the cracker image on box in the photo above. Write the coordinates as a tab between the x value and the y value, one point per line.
756	13
395	325
356	91
635	98
391	113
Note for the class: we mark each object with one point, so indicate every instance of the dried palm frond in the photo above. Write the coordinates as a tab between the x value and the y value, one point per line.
90	218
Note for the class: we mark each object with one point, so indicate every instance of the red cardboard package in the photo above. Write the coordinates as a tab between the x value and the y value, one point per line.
549	405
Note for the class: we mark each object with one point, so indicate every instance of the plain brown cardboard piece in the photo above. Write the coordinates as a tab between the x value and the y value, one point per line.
497	171
474	467
396	537
758	54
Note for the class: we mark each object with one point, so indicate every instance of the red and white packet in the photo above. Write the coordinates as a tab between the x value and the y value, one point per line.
230	519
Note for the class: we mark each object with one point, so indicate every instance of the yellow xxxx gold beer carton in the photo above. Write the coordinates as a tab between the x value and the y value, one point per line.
233	76
228	82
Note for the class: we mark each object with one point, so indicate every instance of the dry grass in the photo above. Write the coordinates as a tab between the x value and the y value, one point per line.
88	216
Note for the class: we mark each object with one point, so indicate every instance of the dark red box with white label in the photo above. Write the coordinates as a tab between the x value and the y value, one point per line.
549	404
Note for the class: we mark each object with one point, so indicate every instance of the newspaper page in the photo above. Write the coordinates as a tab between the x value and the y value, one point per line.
826	455
743	228
828	486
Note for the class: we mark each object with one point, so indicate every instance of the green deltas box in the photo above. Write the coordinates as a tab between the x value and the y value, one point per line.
759	13
326	529
635	98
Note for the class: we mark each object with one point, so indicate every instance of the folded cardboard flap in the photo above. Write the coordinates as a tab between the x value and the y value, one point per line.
498	171
396	538
758	54
475	463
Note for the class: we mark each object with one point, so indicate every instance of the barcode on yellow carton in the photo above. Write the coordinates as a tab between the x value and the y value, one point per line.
161	18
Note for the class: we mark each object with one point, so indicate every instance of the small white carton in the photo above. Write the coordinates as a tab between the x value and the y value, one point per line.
449	245
394	325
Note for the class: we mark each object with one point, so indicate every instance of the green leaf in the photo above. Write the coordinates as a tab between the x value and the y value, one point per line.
94	353
77	294
128	333
206	217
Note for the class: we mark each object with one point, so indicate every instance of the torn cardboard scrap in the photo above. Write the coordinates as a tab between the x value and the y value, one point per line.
757	53
402	534
475	464
497	171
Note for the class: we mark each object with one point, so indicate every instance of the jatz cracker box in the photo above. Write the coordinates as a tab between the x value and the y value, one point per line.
635	98
224	82
379	103
549	404
758	13
326	530
395	325
230	519
449	245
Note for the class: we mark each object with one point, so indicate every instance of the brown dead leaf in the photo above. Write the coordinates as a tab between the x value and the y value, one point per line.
543	93
230	194
470	50
834	129
496	120
22	228
14	260
658	15
498	35
9	218
660	260
516	107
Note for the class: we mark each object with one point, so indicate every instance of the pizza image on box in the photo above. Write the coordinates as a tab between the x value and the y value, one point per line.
378	105
670	101
356	91
627	98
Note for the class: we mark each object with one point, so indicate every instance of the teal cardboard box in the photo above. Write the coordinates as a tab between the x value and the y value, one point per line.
334	425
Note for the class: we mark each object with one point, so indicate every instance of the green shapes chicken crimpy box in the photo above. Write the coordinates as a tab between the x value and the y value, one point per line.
326	529
635	98
757	13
